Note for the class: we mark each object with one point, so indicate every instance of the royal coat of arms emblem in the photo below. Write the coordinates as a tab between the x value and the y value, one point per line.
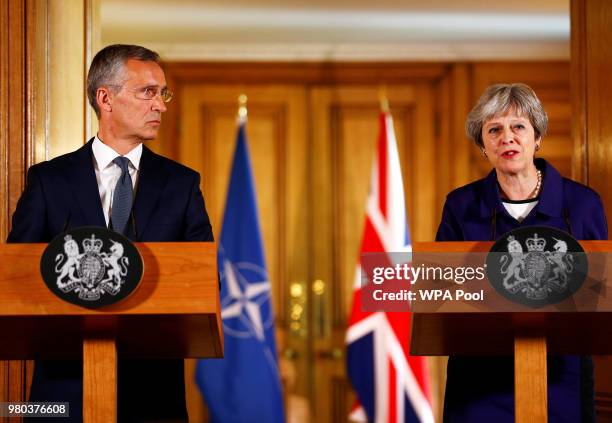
536	272
96	264
92	272
537	266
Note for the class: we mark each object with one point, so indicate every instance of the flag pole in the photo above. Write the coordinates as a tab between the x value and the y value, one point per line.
246	307
382	98
242	108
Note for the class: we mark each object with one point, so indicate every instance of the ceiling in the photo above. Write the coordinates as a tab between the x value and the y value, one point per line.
341	30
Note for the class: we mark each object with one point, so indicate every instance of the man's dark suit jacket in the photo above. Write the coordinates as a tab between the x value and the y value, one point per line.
63	193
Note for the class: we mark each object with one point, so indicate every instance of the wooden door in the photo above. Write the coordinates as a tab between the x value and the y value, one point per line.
345	129
312	151
276	131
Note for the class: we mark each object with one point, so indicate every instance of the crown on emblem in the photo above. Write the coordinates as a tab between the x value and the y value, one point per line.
68	238
535	243
92	245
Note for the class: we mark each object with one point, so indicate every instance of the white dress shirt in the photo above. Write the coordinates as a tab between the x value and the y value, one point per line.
107	172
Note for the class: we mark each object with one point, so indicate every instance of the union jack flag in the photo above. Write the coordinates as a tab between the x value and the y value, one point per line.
391	385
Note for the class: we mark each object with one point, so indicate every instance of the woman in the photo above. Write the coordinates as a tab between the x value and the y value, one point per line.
508	124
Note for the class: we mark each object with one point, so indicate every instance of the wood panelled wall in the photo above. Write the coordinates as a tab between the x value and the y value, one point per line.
551	83
312	132
591	38
16	17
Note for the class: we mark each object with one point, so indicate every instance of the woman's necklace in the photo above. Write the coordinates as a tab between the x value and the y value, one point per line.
536	191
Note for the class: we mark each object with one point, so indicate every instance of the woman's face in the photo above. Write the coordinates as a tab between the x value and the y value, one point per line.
509	142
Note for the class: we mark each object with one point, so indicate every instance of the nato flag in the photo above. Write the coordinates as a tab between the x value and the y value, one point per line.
245	385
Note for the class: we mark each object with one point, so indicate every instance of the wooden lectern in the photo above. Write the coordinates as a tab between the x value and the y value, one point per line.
526	335
174	313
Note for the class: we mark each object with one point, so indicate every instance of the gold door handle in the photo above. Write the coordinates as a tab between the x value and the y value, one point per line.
320	312
297	309
332	354
291	354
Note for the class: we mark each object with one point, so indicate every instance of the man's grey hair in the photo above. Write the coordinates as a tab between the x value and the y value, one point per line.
497	100
107	67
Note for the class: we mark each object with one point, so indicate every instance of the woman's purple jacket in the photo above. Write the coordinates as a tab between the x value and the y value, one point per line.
481	389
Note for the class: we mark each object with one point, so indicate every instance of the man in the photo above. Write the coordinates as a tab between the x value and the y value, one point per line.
115	181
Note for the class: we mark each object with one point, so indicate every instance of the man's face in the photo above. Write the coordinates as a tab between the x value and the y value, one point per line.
132	115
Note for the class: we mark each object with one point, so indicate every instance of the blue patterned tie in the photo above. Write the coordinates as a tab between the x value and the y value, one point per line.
123	197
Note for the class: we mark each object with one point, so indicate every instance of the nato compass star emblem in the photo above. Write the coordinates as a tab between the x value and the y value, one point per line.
246	303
